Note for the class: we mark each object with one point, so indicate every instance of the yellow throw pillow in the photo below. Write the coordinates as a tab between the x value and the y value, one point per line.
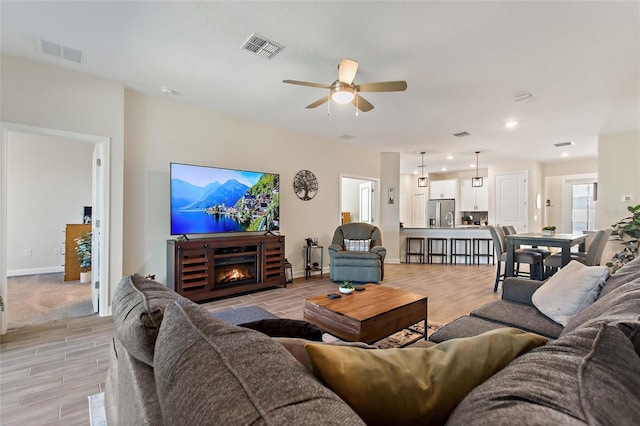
408	386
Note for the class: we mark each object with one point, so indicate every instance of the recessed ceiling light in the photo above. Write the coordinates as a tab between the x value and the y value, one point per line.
473	166
168	91
564	154
449	157
511	124
444	169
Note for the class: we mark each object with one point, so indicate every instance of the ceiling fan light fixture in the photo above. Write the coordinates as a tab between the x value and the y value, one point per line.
343	94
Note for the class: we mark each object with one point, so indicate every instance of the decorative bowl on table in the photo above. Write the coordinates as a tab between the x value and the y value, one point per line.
548	231
346	288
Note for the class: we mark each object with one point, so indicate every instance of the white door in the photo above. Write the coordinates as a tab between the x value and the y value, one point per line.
511	200
419	211
365	201
96	209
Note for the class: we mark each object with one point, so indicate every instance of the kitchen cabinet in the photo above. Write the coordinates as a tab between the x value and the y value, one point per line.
443	188
473	199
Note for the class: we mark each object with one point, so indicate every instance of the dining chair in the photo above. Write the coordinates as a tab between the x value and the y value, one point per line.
511	230
533	259
592	257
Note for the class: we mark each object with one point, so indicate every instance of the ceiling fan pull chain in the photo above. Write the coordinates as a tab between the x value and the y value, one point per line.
357	108
329	105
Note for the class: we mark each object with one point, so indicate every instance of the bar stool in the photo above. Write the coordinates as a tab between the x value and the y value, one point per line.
409	251
431	251
477	254
467	254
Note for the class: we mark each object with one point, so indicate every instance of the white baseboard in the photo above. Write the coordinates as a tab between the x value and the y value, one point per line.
34	271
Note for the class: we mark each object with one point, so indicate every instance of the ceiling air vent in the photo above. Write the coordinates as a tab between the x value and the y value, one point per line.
60	51
462	134
262	47
561	144
346	137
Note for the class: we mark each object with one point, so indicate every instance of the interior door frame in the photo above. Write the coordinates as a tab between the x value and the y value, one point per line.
375	196
104	144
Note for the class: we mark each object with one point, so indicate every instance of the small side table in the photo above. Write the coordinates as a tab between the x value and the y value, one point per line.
309	263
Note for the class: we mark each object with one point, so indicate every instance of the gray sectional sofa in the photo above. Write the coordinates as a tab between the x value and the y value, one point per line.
174	363
589	373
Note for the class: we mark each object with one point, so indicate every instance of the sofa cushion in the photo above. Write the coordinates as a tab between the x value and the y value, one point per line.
409	386
569	291
466	326
138	309
513	314
208	371
357	245
620	304
282	327
591	376
626	274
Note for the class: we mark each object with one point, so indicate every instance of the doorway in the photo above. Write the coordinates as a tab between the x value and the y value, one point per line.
359	197
97	177
579	203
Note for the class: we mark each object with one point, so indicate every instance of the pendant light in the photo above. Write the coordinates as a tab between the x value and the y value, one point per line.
423	182
476	182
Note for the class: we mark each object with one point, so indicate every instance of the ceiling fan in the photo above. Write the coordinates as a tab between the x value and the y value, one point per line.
344	90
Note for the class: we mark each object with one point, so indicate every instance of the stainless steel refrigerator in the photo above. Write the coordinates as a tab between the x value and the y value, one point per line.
441	213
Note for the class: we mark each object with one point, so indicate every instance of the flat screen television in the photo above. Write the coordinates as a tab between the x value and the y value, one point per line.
209	200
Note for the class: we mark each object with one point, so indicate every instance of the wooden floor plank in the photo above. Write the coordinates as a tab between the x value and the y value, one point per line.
47	371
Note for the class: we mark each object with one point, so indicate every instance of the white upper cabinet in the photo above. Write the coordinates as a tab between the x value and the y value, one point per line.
443	188
473	199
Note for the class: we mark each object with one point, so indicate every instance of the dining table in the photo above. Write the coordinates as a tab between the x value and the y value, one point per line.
537	239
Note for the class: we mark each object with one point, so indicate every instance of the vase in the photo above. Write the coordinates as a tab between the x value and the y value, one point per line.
85	277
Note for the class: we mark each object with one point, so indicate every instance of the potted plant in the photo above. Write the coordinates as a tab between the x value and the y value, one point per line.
346	287
549	230
466	220
83	251
627	232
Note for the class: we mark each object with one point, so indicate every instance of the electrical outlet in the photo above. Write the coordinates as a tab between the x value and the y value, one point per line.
27	252
57	250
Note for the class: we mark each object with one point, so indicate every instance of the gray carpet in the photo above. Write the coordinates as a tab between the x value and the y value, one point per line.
96	410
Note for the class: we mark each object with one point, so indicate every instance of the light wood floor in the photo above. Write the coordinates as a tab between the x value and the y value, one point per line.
47	371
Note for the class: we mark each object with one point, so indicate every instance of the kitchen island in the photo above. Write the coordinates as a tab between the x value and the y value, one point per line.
460	231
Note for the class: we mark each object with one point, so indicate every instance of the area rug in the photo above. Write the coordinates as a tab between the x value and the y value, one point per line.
400	339
97	414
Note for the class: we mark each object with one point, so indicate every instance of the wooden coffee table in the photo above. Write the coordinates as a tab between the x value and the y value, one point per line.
367	316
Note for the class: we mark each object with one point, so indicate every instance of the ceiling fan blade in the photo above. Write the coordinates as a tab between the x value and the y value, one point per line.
318	102
383	86
362	104
306	83
347	70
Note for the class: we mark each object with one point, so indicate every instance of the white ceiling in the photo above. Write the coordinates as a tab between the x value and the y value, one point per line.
464	62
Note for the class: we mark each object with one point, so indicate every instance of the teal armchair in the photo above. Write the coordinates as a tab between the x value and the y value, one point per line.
356	253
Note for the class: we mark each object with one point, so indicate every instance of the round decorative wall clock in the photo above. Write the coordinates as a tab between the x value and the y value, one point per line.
305	185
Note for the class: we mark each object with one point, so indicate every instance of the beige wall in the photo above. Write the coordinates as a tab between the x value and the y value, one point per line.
390	213
48	184
618	176
159	131
40	95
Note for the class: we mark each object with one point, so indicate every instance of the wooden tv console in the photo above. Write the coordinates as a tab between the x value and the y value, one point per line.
207	268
